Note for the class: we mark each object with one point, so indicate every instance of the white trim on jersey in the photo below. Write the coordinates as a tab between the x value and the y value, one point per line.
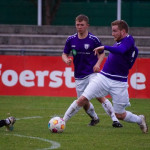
114	75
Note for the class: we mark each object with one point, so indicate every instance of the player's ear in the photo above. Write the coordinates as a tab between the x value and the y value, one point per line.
123	31
88	24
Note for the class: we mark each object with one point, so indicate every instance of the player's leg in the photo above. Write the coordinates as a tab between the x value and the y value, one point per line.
139	119
74	108
8	122
128	116
82	100
106	104
94	89
88	107
103	90
2	123
120	102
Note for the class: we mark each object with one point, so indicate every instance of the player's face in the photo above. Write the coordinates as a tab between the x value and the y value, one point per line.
117	33
81	26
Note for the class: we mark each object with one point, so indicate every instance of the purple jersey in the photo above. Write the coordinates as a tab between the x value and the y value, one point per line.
83	55
121	58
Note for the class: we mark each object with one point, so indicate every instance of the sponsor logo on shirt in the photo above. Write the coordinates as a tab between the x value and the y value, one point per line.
74	52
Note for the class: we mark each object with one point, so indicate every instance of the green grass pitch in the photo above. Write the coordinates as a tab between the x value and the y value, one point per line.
31	128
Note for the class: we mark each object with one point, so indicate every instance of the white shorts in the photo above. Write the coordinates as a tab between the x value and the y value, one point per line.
101	86
81	84
120	108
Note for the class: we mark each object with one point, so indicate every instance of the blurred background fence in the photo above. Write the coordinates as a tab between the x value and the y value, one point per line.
20	35
63	12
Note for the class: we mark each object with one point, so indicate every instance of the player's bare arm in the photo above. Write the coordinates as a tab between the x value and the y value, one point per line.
96	68
66	59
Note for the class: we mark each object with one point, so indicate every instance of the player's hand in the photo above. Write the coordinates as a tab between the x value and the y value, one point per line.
96	68
69	61
98	49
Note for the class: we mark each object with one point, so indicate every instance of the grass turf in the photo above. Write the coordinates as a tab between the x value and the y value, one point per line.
31	128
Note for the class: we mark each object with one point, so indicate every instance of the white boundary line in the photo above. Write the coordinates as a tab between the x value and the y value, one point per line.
33	117
54	145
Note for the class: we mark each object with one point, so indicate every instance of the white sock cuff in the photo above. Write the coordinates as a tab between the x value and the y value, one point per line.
90	108
128	115
106	100
7	121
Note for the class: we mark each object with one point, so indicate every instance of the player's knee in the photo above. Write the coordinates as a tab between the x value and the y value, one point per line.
120	116
82	101
86	106
101	100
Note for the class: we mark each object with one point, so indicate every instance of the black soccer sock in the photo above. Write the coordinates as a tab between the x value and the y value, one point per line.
2	123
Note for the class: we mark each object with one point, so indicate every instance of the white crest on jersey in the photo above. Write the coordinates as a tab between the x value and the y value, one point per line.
86	46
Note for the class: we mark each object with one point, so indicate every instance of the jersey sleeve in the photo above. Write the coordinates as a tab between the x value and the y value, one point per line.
125	45
67	47
98	43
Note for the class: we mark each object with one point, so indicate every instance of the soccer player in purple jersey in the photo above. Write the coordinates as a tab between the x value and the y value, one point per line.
113	77
8	122
86	66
